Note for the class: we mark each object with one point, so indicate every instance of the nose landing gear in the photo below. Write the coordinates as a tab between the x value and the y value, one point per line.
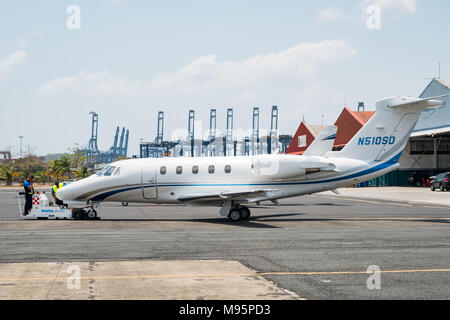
88	213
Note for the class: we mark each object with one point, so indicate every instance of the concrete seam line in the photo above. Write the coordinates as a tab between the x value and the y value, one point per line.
226	275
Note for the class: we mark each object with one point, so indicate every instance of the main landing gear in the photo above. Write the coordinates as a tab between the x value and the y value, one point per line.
85	214
239	213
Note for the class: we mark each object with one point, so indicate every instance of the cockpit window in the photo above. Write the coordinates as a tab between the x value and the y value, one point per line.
101	172
108	171
117	172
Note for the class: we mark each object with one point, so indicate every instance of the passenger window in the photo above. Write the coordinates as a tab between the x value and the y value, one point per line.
163	170
195	169
179	170
227	168
211	169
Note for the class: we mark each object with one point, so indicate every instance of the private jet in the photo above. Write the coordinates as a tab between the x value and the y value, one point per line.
235	183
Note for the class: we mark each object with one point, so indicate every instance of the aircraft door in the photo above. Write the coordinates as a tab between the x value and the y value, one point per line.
149	184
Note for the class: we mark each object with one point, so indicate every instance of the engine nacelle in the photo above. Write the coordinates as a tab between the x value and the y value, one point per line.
287	167
276	168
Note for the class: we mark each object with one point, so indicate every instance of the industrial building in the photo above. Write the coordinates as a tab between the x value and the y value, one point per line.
428	149
5	155
231	143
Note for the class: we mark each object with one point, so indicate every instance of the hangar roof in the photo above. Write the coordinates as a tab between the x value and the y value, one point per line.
434	121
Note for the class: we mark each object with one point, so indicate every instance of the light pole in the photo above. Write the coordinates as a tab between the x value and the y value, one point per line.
21	137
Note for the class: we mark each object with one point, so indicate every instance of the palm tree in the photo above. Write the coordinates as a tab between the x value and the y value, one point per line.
82	173
41	176
54	168
65	164
7	173
24	174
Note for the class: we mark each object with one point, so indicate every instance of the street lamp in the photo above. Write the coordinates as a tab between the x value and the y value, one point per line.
21	137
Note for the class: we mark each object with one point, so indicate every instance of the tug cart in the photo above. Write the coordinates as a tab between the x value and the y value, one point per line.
42	209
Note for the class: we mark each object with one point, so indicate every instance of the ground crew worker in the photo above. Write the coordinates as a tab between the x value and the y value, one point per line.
29	191
55	188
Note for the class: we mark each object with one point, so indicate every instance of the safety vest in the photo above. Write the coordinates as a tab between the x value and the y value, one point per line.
56	187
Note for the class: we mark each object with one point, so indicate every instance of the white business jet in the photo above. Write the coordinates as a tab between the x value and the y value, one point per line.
233	183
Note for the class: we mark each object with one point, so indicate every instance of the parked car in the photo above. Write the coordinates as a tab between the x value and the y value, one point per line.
441	181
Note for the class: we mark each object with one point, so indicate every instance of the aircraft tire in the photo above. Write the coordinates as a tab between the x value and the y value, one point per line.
235	215
245	213
78	214
91	214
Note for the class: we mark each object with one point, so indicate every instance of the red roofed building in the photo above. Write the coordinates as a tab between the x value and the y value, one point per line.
349	122
304	136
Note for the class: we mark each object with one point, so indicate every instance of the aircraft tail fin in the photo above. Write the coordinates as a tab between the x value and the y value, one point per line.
386	134
322	143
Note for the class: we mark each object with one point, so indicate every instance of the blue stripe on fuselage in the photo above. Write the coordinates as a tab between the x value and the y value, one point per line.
379	167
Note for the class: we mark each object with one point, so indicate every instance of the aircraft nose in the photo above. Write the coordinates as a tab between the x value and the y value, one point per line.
65	193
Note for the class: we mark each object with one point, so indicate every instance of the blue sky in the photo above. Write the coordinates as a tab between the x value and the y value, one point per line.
131	59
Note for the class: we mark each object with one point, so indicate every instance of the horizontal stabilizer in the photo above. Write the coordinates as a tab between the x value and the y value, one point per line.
426	102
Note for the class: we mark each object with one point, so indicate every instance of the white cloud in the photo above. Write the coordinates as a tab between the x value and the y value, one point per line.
11	62
57	85
90	82
207	73
331	14
294	63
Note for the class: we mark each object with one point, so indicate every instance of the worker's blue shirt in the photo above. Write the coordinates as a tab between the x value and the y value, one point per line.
28	188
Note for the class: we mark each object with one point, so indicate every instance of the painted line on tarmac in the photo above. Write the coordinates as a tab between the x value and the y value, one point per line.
260	274
399	203
350	199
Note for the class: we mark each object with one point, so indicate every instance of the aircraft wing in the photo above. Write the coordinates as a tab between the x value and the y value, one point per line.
219	198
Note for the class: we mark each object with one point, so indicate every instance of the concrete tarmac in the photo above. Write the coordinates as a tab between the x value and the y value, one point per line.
315	247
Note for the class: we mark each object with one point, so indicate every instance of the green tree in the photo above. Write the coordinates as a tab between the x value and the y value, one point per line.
41	176
65	164
7	174
54	168
24	174
77	157
82	173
